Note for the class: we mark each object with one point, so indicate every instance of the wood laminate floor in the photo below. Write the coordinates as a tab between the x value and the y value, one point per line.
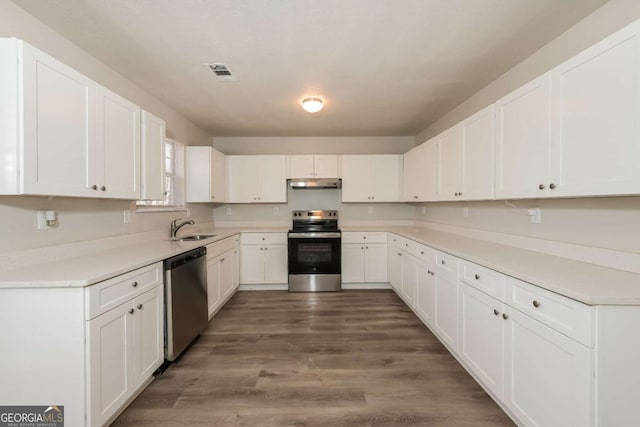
355	358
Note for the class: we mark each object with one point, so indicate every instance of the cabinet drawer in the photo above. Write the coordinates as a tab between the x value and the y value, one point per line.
263	238
425	253
395	240
446	265
364	237
569	317
106	295
218	248
488	281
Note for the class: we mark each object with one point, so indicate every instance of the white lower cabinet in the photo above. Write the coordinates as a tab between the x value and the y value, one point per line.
409	278
446	297
264	258
426	293
222	272
394	268
364	263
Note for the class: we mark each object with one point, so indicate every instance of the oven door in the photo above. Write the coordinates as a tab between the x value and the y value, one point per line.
314	253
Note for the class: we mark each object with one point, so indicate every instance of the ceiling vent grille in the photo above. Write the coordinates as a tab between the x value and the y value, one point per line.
222	72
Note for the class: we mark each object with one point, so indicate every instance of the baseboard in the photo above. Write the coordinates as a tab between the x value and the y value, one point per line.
265	287
366	286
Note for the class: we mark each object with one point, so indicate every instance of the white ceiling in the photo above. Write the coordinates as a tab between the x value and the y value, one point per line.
385	67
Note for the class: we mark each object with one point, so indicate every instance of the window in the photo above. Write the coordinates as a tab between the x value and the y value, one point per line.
174	181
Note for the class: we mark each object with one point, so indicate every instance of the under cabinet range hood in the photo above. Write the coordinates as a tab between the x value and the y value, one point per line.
314	183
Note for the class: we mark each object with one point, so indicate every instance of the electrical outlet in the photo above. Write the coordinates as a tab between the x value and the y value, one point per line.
535	215
465	212
228	211
126	216
370	210
47	220
188	212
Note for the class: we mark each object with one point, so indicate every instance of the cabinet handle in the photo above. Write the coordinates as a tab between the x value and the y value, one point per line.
361	247
495	311
263	238
94	187
552	186
364	237
103	188
505	316
541	186
460	193
415	197
213	197
399	254
477	277
536	304
372	198
140	306
131	311
222	260
443	262
421	252
260	248
366	247
134	284
265	249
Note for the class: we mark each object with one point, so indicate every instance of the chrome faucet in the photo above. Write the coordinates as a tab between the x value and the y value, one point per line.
175	226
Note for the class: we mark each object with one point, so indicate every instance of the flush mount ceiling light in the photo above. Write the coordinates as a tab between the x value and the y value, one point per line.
312	105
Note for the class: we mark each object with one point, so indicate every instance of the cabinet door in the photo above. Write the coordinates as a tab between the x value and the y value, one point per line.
450	164
353	263
117	165
375	262
276	267
59	143
236	267
409	278
148	334
522	141
301	167
549	377
478	154
429	170
412	175
395	268
482	337
273	179
214	294
425	293
200	162
356	179
217	178
110	342
596	116
325	166
252	264
242	179
446	317
386	176
153	157
226	274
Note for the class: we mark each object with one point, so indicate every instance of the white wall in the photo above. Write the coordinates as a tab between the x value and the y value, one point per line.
315	145
82	219
350	213
611	223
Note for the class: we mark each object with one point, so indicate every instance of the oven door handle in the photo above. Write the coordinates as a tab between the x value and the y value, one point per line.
314	235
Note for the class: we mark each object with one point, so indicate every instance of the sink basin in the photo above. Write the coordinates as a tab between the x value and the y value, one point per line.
196	237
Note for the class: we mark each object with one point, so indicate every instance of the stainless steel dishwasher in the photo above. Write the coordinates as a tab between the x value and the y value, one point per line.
186	300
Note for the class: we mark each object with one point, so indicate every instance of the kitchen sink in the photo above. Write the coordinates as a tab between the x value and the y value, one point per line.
196	237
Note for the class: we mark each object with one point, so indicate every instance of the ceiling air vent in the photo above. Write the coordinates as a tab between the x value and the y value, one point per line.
222	72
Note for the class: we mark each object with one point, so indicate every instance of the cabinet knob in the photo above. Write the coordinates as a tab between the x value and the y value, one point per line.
265	249
139	306
399	254
134	284
460	193
260	248
505	316
536	304
131	311
213	197
103	188
552	186
364	237
263	238
222	260
541	186
443	262
94	187
415	197
477	276
361	247
372	198
366	247
421	252
495	311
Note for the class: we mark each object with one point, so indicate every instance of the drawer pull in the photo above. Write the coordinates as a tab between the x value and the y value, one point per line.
421	252
536	304
505	316
495	311
139	306
131	311
477	276
134	284
443	262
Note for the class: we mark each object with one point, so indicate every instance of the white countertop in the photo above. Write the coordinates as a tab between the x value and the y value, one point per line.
588	283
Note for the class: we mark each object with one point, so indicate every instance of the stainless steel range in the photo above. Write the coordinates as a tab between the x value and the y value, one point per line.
314	252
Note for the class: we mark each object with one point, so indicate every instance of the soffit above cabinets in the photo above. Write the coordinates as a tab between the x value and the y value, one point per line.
383	67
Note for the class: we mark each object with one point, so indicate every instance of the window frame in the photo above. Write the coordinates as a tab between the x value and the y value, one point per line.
175	200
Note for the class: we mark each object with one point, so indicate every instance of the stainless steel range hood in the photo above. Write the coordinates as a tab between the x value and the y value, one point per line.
314	183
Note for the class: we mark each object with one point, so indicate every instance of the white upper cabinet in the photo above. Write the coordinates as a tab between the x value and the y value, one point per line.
522	140
371	178
595	130
449	145
117	168
420	172
256	179
313	166
153	157
205	175
478	155
89	148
